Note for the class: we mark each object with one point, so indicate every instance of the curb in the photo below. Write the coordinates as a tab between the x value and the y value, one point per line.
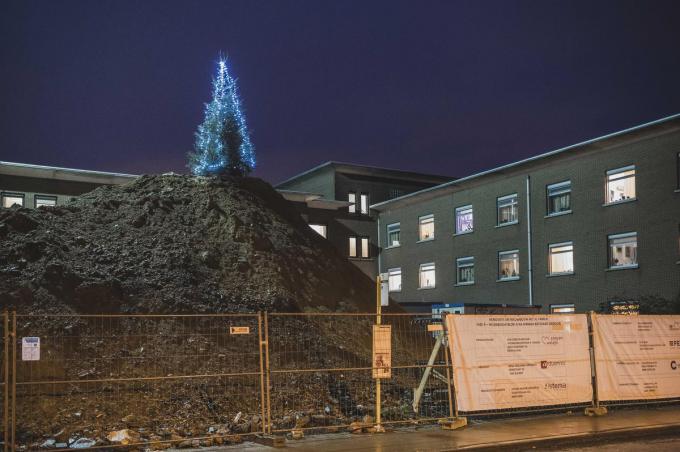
619	434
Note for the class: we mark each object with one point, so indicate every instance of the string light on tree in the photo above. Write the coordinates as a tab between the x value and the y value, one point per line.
222	144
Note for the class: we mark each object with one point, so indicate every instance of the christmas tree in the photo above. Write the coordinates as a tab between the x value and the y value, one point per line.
222	143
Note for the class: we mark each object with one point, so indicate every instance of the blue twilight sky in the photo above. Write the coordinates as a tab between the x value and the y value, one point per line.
449	87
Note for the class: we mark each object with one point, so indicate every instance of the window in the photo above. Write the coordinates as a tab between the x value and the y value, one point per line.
394	279
319	229
358	244
42	200
507	209
623	250
11	199
559	197
393	232
427	276
465	270
561	258
426	228
395	193
364	203
508	265
352	198
620	184
562	308
464	220
352	247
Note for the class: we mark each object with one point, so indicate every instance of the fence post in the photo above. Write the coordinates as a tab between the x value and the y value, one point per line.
13	337
267	373
455	421
596	409
5	381
260	345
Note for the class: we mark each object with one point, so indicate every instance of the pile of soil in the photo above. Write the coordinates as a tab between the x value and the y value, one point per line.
169	244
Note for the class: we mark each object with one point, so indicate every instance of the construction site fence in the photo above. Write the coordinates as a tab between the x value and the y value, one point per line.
160	381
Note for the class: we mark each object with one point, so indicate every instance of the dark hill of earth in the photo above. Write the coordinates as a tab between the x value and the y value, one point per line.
173	243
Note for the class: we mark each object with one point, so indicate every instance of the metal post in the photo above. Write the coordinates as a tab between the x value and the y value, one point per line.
261	344
596	409
13	336
268	387
529	251
5	381
378	307
453	411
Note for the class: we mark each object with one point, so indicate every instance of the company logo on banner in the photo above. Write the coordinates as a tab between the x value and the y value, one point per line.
514	361
637	358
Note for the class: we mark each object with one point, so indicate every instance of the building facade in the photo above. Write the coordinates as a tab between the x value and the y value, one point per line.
338	202
571	230
36	185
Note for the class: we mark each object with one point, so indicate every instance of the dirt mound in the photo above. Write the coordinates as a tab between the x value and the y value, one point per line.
173	243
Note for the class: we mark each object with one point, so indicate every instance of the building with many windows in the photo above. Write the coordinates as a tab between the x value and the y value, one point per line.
334	198
571	230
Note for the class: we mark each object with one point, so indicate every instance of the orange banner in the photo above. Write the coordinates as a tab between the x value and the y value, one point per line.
513	361
637	357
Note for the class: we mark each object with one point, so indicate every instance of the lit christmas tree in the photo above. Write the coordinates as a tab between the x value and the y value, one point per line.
222	143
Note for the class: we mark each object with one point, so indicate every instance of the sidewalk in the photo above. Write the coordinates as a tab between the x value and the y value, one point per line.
527	431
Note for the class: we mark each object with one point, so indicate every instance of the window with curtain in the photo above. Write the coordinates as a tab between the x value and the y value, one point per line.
623	250
465	270
393	233
561	258
426	227
394	279
559	197
508	265
427	276
620	184
507	209
464	220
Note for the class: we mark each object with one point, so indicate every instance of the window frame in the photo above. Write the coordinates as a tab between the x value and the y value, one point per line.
391	244
365	196
461	209
366	240
622	235
613	172
514	196
420	272
458	268
498	269
352	199
550	254
12	194
324	226
429	216
390	272
548	196
349	244
44	197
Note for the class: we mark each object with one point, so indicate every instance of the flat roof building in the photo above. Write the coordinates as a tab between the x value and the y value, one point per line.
573	229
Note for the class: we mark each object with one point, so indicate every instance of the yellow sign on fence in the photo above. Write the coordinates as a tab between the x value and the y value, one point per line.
382	351
239	330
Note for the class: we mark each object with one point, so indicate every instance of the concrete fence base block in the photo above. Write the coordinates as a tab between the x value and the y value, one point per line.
271	440
453	423
596	411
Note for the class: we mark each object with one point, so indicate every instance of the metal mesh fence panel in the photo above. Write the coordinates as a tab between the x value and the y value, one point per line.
139	379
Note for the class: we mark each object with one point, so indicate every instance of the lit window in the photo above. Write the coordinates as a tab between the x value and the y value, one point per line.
352	247
620	184
562	308
561	258
426	227
358	244
465	270
559	197
507	209
393	232
623	250
352	198
42	200
364	247
394	279
508	265
427	276
319	229
364	203
464	220
12	199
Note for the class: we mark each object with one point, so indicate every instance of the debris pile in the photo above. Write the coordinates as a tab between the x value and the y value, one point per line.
169	244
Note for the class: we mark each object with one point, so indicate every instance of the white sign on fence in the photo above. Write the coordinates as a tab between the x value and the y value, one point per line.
637	357
513	361
30	349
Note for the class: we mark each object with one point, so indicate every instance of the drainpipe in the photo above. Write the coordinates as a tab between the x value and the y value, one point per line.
379	247
531	272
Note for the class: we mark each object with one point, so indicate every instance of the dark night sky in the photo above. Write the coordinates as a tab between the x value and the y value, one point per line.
435	86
